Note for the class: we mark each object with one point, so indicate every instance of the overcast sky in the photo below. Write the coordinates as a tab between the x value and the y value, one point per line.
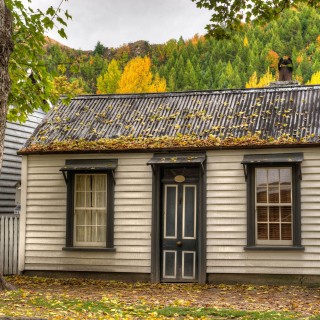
115	22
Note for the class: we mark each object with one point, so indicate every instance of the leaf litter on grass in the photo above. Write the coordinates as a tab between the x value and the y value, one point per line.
99	299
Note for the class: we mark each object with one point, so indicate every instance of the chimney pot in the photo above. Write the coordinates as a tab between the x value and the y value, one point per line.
285	68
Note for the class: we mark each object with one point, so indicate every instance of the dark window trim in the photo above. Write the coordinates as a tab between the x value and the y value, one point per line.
109	171
89	249
296	206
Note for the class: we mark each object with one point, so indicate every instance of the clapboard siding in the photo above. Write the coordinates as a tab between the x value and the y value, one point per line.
226	228
46	217
226	218
15	137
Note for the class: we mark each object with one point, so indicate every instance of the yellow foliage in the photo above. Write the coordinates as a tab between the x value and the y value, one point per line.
159	84
253	81
137	78
264	81
61	86
315	78
109	81
245	42
196	38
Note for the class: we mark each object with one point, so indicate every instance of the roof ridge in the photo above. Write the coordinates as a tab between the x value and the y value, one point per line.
195	92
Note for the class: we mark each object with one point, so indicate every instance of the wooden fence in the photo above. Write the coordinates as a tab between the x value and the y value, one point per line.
9	240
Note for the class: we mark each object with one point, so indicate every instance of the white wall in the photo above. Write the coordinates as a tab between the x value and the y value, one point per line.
45	205
45	227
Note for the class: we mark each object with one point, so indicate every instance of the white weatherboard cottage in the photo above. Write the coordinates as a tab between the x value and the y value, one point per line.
176	187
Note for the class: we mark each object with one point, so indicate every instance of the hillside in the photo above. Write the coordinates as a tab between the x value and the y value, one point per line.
201	63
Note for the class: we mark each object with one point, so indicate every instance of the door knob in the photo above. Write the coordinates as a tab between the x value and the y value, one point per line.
179	243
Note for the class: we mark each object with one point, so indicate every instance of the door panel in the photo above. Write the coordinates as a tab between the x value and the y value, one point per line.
170	211
188	265
169	264
189	211
179	238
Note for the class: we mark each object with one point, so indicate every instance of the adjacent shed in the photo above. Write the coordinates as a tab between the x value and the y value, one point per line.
16	135
176	187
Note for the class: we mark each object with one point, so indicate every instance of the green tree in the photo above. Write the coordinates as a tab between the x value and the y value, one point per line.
190	77
99	49
109	81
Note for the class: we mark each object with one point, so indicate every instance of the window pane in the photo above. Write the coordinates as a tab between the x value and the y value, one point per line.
80	182
285	176
286	215
273	194
80	218
101	217
80	200
261	176
285	194
100	199
274	214
262	195
274	231
262	231
286	231
89	200
273	177
99	182
262	214
80	234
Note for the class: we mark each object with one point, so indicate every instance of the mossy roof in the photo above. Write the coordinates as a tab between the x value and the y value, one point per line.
109	122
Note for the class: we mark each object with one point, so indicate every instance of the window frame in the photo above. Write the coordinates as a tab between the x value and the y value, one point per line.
69	175
84	243
269	205
250	169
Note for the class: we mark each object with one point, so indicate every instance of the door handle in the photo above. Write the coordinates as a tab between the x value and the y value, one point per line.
179	243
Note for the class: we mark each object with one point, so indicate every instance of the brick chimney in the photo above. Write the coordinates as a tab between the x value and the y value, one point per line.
285	67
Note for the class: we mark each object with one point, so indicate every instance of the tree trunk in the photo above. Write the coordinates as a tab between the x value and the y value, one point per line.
4	285
6	47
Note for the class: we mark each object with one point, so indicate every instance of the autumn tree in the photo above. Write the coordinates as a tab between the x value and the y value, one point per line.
315	78
21	48
264	81
109	81
63	87
228	15
137	77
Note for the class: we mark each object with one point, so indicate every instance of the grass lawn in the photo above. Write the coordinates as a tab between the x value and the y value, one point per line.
46	298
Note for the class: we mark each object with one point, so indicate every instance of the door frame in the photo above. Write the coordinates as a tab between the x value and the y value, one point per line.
156	220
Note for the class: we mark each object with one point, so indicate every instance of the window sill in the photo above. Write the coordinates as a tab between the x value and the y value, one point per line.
92	249
274	248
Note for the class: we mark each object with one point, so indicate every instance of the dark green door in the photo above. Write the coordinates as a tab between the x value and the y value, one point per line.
179	225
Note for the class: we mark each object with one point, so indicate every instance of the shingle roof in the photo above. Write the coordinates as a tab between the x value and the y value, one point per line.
268	113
